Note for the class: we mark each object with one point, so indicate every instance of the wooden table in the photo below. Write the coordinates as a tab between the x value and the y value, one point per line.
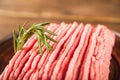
13	13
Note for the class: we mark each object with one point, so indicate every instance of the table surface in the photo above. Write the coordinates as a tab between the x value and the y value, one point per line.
13	13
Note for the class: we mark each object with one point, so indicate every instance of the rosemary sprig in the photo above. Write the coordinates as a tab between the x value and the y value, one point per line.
24	34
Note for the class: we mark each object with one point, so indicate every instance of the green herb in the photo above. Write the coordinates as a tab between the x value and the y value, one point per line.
24	34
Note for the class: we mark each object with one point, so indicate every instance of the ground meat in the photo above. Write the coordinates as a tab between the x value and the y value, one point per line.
82	52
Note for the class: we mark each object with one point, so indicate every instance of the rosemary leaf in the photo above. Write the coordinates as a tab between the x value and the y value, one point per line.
38	29
19	28
40	44
48	31
45	42
14	42
51	39
43	24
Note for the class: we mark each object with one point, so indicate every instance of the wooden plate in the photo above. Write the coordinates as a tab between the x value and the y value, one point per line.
6	53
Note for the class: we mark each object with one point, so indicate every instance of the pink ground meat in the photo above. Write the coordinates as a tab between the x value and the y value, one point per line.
82	52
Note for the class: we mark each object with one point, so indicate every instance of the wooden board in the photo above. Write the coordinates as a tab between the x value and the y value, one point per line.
13	13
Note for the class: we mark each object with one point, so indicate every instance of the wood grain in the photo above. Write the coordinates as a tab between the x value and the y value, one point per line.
14	12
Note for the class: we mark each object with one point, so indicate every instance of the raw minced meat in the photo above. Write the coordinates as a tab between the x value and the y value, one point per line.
82	52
